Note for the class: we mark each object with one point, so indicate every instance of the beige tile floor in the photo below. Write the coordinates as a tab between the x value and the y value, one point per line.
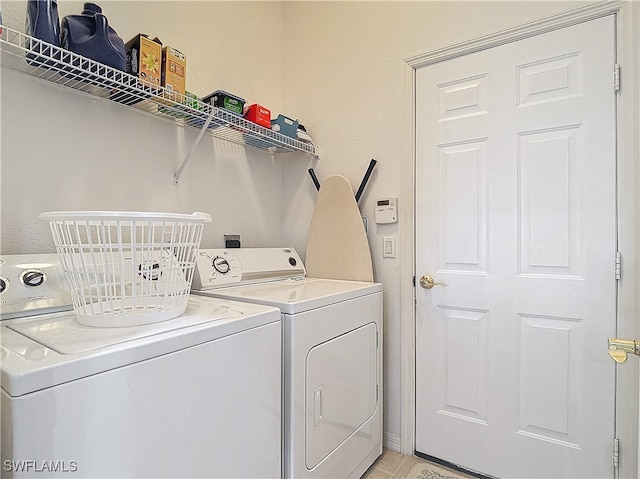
393	465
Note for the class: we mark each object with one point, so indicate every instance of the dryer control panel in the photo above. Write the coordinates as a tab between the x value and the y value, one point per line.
224	267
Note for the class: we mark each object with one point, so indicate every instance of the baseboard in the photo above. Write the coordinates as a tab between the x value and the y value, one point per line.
391	441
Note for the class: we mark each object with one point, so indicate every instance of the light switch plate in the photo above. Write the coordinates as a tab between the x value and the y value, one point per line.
388	246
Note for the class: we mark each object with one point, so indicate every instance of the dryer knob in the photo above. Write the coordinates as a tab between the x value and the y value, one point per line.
3	285
32	278
221	265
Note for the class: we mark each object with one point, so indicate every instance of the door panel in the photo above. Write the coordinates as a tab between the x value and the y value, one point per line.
341	395
516	213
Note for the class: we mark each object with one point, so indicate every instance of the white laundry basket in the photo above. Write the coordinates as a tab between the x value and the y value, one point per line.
127	268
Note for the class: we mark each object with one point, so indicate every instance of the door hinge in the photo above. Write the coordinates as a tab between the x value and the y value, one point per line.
616	78
618	269
616	453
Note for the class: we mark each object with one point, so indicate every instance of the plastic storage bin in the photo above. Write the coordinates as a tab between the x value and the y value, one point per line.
222	99
127	268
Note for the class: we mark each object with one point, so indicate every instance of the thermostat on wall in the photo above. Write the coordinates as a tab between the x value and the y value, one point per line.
387	210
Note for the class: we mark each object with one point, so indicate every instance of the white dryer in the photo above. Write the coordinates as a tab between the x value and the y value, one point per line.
195	396
332	355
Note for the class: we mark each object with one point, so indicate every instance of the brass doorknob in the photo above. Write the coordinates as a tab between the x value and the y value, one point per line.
427	282
619	348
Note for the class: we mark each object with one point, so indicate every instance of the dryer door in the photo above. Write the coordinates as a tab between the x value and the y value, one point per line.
341	390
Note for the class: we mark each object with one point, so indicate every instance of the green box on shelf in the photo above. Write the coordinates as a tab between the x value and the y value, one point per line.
192	100
181	110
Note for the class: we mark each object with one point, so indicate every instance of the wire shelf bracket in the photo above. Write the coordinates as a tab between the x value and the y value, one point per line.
176	177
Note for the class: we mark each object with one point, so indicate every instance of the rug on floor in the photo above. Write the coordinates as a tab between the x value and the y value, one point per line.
431	471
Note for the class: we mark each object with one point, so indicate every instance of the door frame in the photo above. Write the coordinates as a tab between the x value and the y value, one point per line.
628	200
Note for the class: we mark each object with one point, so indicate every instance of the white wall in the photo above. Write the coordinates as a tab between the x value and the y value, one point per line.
62	150
337	66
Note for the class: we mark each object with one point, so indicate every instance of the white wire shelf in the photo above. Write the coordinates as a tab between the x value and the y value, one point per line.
26	54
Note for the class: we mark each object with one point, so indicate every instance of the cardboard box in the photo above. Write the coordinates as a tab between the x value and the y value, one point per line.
259	114
174	70
144	58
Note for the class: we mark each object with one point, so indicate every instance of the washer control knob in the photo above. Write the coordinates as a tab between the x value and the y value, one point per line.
32	278
221	265
4	284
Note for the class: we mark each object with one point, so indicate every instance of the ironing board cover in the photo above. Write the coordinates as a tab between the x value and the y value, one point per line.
337	247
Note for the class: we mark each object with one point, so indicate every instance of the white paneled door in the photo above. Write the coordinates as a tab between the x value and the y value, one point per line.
516	214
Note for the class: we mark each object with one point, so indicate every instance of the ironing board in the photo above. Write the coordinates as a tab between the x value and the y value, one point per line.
337	247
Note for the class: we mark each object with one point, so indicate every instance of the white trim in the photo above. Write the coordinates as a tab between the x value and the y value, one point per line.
407	290
391	442
628	425
628	117
527	30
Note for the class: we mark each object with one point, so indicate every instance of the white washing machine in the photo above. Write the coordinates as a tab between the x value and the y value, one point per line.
332	355
195	396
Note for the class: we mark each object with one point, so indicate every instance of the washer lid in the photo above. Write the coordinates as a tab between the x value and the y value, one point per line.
297	295
51	349
64	335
